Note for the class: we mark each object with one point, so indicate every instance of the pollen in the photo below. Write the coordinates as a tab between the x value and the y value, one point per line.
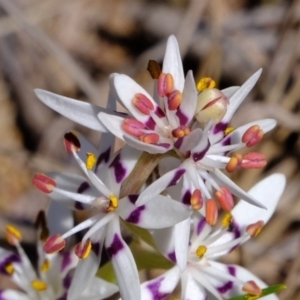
227	220
44	183
165	84
201	250
91	160
39	285
9	269
211	212
229	130
196	200
54	244
174	100
254	229
83	249
205	83
149	138
113	203
45	266
12	234
72	143
143	104
252	289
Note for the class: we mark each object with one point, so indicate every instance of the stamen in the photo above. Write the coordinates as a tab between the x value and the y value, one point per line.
252	136
165	84
211	214
41	225
181	131
234	163
196	200
91	160
205	83
149	138
154	69
39	285
72	143
13	235
174	100
254	229
225	198
83	249
113	204
254	160
45	266
133	127
143	104
252	288
227	220
9	269
54	244
201	250
229	130
44	183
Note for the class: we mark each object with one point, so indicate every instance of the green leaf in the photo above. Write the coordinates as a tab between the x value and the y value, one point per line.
267	291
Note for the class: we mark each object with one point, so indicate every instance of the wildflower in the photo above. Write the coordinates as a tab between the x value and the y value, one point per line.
100	192
203	276
54	274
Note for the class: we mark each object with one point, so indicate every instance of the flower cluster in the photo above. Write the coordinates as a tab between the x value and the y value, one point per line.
169	180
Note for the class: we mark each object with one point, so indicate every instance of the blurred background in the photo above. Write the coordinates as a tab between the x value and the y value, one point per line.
70	47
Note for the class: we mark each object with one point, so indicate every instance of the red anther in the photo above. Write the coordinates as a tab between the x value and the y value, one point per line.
133	127
254	229
54	244
143	104
149	138
44	183
211	212
196	200
225	198
254	160
72	143
83	249
174	100
252	136
181	131
234	163
165	84
252	288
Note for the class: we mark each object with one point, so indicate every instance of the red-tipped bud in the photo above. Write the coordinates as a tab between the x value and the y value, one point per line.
180	132
196	200
254	229
211	212
83	249
225	198
44	183
252	136
165	84
174	100
54	244
143	104
149	138
72	143
254	160
252	288
133	127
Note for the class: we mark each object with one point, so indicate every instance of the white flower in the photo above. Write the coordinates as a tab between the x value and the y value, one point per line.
100	193
52	278
204	277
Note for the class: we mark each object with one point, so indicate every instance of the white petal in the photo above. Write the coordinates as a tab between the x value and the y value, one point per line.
191	290
172	63
123	262
169	179
112	123
228	92
190	141
160	212
78	111
13	295
162	286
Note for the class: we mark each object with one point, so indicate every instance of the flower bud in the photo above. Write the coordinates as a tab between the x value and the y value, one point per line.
211	105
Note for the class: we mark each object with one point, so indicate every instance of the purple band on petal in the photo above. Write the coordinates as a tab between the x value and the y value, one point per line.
183	119
178	143
67	282
63	297
186	198
104	156
159	112
120	171
2	296
200	226
81	189
154	289
133	198
115	247
150	124
66	260
96	248
229	284
176	177
172	257
135	215
11	258
220	127
199	155
164	145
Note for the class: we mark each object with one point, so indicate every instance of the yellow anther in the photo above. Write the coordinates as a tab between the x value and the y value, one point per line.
12	234
201	250
91	160
227	220
228	130
39	285
45	266
83	249
113	203
205	83
9	269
